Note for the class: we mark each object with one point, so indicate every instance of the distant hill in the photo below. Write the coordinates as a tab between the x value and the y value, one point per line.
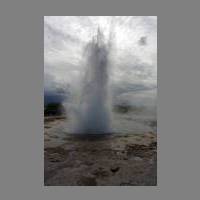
54	109
53	97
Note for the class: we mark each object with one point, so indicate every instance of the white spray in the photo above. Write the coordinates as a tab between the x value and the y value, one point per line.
94	112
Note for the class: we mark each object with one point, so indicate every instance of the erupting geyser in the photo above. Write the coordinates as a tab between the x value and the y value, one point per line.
94	108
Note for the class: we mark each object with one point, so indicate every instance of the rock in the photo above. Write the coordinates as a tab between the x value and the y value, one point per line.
137	159
100	172
77	162
87	181
153	145
89	163
114	169
47	126
54	136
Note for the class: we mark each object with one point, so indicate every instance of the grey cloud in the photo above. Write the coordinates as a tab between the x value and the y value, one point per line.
134	70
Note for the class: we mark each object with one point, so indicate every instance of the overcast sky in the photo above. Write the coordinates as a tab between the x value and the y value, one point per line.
134	54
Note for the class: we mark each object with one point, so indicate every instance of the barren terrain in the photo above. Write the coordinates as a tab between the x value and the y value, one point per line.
92	160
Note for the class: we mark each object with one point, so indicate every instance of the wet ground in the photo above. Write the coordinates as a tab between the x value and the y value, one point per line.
92	160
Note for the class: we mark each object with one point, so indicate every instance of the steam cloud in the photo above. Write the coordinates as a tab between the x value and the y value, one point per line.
133	78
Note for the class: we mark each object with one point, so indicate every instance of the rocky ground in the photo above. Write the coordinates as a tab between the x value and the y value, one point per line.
92	160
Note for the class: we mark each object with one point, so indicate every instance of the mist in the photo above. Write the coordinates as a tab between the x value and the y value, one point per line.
129	72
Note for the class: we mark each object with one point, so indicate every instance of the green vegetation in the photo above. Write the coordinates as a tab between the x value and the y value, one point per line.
53	109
